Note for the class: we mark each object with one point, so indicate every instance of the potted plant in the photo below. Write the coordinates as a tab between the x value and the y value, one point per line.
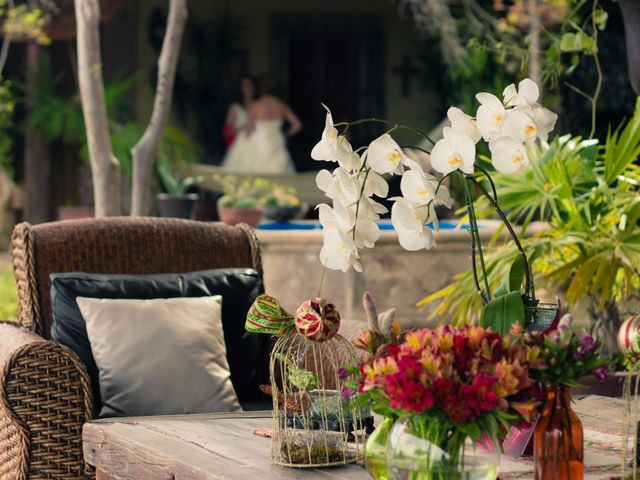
242	199
589	249
175	201
281	203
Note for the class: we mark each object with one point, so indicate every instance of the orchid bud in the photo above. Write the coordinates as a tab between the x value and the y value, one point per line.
370	310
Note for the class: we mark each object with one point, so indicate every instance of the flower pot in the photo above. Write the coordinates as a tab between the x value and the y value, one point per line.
177	206
418	450
631	17
233	216
281	214
74	213
375	450
558	439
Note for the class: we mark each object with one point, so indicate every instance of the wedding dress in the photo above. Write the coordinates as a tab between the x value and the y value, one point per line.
263	150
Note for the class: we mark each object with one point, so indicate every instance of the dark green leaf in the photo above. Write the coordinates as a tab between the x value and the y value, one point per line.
502	312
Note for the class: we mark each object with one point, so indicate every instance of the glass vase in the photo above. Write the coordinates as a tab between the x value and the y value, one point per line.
417	450
558	439
375	450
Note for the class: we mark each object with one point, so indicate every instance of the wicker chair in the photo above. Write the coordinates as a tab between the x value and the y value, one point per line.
45	395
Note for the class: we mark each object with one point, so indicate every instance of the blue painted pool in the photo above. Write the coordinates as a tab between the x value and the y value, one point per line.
444	225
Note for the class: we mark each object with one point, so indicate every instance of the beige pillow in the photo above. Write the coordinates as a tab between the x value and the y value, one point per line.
159	357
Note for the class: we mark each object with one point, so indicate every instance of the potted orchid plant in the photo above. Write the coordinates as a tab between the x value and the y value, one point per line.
349	224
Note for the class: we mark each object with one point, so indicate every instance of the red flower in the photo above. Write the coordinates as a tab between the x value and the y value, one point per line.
444	391
479	395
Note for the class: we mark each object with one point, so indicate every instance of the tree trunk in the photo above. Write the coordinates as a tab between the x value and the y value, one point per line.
143	153
605	324
104	166
534	39
37	163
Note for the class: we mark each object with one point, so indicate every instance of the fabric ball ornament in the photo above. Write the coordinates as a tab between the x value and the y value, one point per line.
317	320
266	315
629	336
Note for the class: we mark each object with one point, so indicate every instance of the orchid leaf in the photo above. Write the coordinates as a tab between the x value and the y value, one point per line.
513	281
502	312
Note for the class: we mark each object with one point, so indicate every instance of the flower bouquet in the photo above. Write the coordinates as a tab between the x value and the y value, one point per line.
558	436
446	386
349	224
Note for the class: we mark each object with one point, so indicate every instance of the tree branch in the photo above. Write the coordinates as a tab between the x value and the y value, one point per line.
143	153
104	166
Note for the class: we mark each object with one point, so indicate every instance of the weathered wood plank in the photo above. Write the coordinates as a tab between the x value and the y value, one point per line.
206	448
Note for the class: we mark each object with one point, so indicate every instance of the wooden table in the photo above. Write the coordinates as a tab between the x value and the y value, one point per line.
221	446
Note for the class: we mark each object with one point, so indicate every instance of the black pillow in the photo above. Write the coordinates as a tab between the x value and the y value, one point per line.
247	353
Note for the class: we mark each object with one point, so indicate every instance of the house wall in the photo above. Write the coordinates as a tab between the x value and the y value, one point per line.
400	38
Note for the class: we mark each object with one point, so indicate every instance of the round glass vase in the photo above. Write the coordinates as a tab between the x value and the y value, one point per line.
375	450
558	446
420	451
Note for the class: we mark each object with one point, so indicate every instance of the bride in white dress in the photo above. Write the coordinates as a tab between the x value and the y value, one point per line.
261	147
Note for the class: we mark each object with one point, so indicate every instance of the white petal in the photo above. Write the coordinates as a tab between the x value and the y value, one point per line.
521	126
376	185
327	183
509	94
384	155
440	157
508	155
528	92
405	217
545	120
490	101
463	123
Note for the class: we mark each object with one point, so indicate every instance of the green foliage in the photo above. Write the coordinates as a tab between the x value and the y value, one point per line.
591	200
8	296
247	192
507	306
7	106
175	150
59	117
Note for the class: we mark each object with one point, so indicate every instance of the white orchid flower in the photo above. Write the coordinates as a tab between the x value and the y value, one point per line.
339	252
545	120
521	126
419	188
454	151
527	93
490	116
338	216
508	155
384	155
328	183
338	184
367	233
409	224
333	147
463	123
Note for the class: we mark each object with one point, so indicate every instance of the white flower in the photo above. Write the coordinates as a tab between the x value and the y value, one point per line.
490	116
419	188
344	219
333	147
508	155
376	185
339	184
463	123
339	216
384	155
527	93
545	120
338	251
454	151
409	223
521	126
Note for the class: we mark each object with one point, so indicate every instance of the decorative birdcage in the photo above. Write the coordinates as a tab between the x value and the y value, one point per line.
313	424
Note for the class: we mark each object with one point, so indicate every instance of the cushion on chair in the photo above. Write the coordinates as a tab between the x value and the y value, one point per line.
159	357
238	288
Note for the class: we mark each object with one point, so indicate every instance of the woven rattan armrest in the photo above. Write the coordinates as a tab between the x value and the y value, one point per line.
45	398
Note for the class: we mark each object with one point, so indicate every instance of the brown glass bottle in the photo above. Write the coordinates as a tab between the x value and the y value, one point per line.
558	439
